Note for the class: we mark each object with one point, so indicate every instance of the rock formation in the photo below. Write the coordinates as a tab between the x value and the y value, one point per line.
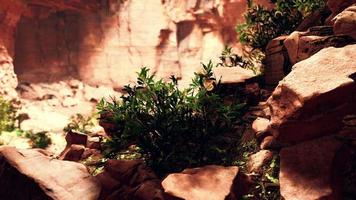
312	109
31	174
106	43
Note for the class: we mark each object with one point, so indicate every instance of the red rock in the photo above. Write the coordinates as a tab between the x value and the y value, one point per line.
277	61
302	45
312	100
108	184
76	138
171	37
94	143
128	179
29	174
72	153
209	182
260	126
345	22
90	152
233	75
258	160
268	142
307	171
336	6
8	79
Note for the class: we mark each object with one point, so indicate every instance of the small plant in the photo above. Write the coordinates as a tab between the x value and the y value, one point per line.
263	24
7	115
230	59
250	61
173	129
267	183
80	123
38	140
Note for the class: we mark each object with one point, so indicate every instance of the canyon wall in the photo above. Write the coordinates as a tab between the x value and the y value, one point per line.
106	42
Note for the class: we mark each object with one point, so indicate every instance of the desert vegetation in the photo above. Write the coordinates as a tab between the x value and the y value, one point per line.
265	121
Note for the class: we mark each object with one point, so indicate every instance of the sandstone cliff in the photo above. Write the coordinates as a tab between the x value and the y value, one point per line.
106	42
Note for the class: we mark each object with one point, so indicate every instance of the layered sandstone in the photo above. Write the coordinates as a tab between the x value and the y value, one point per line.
107	43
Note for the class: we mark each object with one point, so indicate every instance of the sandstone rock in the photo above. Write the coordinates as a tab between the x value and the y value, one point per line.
73	152
232	75
8	79
10	14
29	91
268	142
312	100
94	48
345	22
209	182
260	126
336	6
302	45
93	153
94	143
253	93
277	61
307	171
129	180
76	138
28	174
258	160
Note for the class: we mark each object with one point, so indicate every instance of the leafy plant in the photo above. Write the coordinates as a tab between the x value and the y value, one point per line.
80	123
250	61
7	115
172	128
264	24
39	139
267	183
230	59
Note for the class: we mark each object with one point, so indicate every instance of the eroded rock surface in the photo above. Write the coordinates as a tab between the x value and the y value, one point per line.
30	174
8	79
107	43
302	45
206	183
345	22
312	100
129	179
308	171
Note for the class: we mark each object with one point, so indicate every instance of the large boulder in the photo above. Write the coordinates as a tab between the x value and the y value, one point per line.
337	6
312	100
206	183
277	61
129	179
312	170
233	75
302	45
30	174
345	22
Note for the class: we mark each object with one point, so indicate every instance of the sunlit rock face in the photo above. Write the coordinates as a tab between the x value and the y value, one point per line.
106	43
8	79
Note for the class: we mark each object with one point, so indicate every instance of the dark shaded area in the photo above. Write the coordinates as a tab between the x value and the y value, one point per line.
16	186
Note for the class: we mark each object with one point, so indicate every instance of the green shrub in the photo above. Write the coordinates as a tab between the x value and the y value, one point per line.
172	128
7	115
38	140
263	24
80	123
